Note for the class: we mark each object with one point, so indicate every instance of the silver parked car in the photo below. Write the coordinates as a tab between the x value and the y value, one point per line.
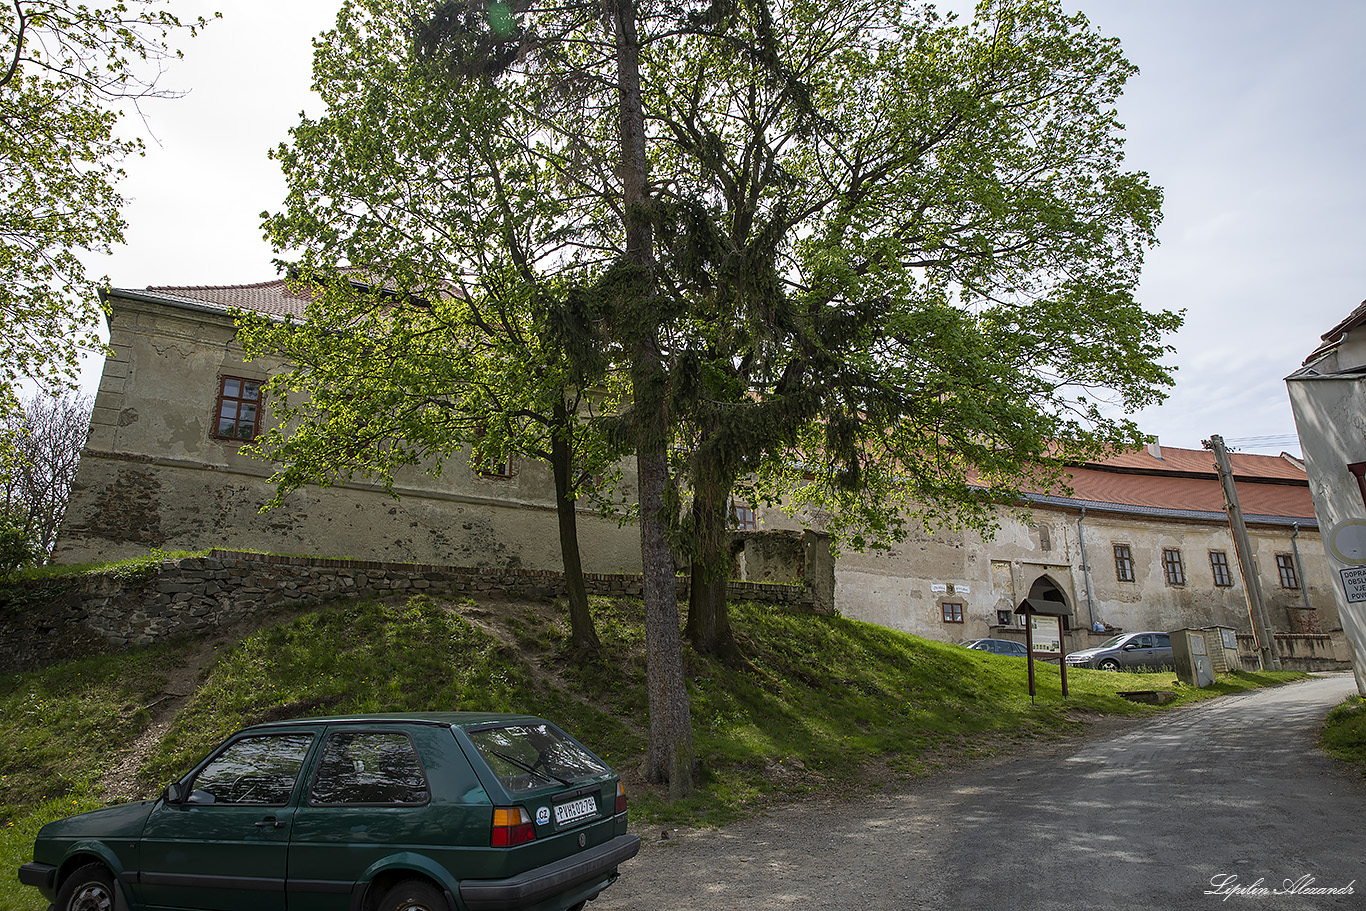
1126	652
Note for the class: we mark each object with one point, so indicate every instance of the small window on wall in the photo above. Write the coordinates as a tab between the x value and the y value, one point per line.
239	409
1218	564
491	466
1124	563
1172	567
494	467
1005	618
1285	566
953	611
742	517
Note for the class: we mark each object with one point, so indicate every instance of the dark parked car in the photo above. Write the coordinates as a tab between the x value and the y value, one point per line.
999	647
1127	651
417	812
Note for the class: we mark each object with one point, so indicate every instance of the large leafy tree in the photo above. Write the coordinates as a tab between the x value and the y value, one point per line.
909	250
881	262
484	164
66	73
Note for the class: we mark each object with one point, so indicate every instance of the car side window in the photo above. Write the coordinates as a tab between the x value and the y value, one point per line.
1163	642
1144	641
253	771
369	767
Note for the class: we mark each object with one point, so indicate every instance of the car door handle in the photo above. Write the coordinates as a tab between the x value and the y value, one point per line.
271	823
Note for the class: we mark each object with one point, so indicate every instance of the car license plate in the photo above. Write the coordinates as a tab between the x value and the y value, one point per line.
576	810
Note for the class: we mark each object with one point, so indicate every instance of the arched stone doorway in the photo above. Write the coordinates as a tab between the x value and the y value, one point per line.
1046	589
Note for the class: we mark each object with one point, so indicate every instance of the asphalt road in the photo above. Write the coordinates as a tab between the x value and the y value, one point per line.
1178	812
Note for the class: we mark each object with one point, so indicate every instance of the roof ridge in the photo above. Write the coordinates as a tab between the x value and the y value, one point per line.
265	284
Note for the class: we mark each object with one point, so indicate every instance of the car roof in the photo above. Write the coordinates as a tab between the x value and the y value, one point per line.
442	719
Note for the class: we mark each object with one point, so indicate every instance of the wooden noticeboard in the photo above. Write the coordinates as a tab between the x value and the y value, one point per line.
1043	635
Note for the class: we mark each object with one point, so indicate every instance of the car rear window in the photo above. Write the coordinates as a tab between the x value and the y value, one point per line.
530	756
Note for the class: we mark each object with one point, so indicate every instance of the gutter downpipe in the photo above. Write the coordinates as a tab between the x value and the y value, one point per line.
1304	586
1086	570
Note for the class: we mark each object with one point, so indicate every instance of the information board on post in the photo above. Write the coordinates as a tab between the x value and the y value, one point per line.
1046	635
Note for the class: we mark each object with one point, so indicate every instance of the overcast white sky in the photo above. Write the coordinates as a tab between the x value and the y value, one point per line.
1249	113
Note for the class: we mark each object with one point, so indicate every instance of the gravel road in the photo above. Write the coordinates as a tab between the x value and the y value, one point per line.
1169	813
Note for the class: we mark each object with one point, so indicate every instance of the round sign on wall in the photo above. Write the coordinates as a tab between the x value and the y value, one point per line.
1347	541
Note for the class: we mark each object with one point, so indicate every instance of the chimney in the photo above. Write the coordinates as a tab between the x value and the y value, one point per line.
1155	449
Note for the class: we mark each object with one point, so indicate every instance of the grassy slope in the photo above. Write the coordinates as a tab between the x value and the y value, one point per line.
1344	732
826	704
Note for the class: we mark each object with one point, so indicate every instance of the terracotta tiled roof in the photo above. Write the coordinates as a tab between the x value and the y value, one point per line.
1201	461
272	298
1184	482
1195	494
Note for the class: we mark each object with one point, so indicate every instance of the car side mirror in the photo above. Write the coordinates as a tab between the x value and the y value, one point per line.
1130	646
174	793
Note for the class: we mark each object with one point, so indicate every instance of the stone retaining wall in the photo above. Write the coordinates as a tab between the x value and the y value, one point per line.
53	620
1301	651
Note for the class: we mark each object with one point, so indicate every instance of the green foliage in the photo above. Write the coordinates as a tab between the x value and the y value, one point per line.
17	547
895	250
924	226
61	729
1344	732
66	71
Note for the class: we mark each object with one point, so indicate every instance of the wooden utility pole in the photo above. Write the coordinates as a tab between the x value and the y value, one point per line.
1252	583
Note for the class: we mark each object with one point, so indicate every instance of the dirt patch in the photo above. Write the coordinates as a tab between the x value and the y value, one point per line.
121	781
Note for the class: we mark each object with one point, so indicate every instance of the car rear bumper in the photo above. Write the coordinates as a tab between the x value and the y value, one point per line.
536	885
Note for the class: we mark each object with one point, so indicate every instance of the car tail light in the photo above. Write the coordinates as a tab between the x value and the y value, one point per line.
621	798
511	826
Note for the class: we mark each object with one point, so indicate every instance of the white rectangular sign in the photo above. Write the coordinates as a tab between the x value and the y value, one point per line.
1354	583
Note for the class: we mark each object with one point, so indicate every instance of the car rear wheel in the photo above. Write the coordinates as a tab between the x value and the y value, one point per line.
90	888
1109	664
413	895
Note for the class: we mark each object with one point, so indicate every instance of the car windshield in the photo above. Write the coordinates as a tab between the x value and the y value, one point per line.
1113	641
529	756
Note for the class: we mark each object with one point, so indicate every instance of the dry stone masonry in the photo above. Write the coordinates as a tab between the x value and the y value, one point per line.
52	620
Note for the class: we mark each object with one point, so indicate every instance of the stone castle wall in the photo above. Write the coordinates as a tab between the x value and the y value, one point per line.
51	620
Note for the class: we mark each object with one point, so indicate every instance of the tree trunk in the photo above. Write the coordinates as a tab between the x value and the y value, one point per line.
670	754
582	632
708	615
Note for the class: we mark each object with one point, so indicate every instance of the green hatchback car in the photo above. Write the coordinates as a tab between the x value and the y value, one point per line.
416	812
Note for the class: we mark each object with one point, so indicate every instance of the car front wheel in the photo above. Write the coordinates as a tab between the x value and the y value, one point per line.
90	888
413	895
1109	664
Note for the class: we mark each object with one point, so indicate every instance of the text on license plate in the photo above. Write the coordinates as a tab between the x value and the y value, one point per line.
576	809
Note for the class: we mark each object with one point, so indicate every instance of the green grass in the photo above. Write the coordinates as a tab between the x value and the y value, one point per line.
1344	732
133	566
825	704
61	729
